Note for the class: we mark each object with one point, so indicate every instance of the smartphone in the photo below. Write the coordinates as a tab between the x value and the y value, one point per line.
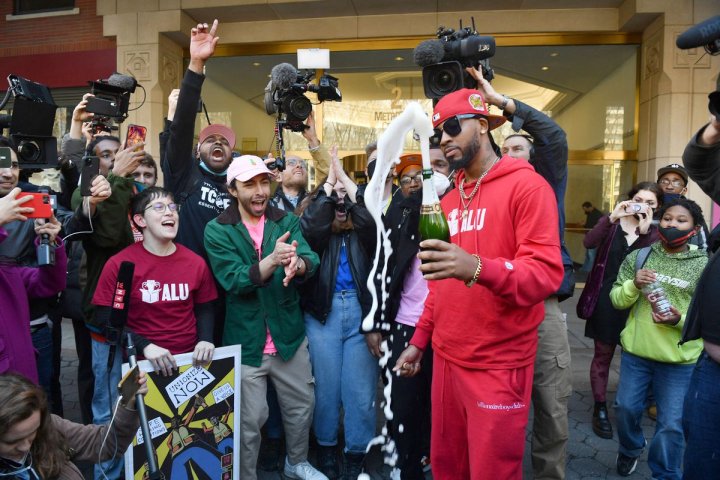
89	170
5	157
128	385
40	202
636	207
135	134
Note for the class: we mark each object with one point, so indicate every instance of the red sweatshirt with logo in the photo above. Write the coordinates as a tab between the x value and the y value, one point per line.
511	223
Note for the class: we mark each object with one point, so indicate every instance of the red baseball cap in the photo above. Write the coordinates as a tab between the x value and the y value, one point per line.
217	129
465	101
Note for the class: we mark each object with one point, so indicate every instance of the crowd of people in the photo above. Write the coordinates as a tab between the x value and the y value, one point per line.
232	251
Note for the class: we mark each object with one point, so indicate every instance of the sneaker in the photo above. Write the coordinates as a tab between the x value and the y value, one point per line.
302	471
626	465
353	465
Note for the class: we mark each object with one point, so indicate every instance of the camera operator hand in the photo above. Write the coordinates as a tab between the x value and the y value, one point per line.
491	96
622	209
274	172
79	116
711	134
127	160
172	103
310	133
332	179
49	226
11	208
202	45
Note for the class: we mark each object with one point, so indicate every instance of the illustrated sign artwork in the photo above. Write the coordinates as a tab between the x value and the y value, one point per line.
194	420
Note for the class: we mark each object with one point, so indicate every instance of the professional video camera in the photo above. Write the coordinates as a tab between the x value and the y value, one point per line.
444	60
285	95
31	122
111	101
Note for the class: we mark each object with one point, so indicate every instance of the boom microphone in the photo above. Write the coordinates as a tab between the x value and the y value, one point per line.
283	75
704	33
126	82
119	309
428	52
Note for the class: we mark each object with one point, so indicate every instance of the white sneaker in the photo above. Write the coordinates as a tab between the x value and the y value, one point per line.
302	471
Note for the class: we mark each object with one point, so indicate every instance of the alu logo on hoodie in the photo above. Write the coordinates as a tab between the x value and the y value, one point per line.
473	221
152	289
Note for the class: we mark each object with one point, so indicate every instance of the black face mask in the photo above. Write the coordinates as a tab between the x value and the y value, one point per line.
675	238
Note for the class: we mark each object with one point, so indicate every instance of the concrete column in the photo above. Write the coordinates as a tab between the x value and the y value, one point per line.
674	85
153	58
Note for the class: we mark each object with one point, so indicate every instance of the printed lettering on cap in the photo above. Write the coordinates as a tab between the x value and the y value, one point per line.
476	102
436	116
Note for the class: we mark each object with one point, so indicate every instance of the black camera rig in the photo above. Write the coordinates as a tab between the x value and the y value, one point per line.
31	122
444	60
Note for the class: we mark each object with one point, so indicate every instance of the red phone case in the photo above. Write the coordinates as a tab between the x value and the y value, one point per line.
135	134
40	202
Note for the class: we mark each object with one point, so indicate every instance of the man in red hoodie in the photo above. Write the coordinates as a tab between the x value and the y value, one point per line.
486	297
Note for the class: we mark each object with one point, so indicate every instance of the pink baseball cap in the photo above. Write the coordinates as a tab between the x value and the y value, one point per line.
245	167
217	129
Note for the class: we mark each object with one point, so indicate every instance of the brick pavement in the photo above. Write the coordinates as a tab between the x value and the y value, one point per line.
588	455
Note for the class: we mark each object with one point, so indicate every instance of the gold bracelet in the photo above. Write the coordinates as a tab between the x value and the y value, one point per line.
478	269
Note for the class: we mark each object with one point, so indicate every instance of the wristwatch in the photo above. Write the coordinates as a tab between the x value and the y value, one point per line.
504	102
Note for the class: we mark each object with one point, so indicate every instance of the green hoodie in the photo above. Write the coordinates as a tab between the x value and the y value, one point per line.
678	273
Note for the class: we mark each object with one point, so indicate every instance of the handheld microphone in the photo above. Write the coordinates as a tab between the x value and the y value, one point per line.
120	307
428	52
704	33
283	75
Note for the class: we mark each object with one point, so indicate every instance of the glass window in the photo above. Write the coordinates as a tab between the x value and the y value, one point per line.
39	6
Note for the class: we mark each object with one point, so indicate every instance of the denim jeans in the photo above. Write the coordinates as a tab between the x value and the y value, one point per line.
701	421
669	383
42	341
346	375
104	397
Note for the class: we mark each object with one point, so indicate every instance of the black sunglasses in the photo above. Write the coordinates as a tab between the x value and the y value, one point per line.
452	125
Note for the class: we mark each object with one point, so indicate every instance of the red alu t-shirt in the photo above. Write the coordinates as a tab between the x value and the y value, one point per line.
164	293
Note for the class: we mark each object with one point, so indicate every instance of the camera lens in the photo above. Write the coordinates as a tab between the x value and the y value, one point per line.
299	107
445	80
29	152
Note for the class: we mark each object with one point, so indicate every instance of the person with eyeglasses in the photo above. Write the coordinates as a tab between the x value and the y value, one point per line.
673	180
292	184
172	290
485	301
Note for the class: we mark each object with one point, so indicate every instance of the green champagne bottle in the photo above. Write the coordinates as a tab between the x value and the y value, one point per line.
433	224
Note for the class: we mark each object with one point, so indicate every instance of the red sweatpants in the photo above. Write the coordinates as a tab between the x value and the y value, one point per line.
478	421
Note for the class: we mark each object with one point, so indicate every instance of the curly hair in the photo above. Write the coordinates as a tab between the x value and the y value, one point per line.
689	205
19	399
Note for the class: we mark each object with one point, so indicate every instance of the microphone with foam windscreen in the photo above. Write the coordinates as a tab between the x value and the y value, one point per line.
283	76
428	52
704	33
126	82
119	310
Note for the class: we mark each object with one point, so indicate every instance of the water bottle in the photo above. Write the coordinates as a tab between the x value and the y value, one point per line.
657	297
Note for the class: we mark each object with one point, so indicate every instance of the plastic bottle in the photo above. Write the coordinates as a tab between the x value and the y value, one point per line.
655	293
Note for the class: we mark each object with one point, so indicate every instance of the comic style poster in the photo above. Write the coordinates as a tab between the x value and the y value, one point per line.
194	420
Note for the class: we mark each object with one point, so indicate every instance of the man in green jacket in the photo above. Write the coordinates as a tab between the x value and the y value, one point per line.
258	254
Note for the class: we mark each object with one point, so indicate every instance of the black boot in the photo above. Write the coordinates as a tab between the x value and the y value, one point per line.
601	422
327	461
353	465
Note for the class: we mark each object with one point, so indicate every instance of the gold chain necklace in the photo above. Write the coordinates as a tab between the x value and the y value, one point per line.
464	197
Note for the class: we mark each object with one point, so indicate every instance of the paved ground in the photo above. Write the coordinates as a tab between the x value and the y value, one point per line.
588	455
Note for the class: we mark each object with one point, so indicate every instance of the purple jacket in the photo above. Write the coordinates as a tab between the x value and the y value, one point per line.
17	286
